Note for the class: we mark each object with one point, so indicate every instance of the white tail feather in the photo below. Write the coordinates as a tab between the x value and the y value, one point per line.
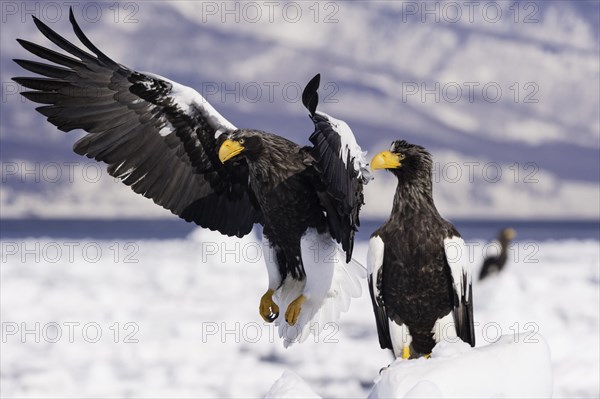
330	285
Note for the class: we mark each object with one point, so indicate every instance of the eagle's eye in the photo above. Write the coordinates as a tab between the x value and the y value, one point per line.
241	141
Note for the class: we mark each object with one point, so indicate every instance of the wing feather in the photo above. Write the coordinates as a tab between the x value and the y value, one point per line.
158	136
342	166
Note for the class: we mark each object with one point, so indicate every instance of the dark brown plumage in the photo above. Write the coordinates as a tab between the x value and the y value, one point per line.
413	281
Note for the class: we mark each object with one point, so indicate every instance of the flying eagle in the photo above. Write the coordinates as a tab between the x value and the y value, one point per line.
418	278
494	264
170	145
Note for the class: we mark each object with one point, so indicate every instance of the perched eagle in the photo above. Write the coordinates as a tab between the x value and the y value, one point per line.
418	278
494	264
169	144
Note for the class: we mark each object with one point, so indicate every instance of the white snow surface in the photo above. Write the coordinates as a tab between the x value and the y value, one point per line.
195	331
290	385
513	367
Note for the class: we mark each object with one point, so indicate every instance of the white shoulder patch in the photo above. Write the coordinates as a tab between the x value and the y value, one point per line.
349	146
375	260
271	262
185	97
457	257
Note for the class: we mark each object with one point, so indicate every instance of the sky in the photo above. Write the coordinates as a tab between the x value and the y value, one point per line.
505	95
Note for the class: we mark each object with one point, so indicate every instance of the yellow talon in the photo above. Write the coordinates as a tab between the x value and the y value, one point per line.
427	356
268	309
405	352
293	310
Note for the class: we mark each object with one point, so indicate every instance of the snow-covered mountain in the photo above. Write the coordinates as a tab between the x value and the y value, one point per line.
505	94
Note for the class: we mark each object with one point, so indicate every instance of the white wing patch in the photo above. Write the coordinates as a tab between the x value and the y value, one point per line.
185	97
349	146
167	128
456	255
444	329
375	261
400	336
271	261
330	285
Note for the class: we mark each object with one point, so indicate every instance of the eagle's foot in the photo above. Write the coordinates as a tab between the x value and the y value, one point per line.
405	352
293	310
268	309
427	356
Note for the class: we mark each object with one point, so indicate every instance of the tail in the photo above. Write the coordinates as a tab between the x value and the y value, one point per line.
381	319
463	316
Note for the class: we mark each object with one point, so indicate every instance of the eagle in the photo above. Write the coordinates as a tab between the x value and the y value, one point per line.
166	142
418	278
494	264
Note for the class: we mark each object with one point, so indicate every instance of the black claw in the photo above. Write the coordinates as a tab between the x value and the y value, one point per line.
272	316
384	368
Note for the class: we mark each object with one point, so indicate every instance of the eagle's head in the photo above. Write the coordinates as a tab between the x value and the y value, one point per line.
240	144
507	234
408	162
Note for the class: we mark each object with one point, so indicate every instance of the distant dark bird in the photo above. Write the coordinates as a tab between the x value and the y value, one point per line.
419	280
169	144
494	264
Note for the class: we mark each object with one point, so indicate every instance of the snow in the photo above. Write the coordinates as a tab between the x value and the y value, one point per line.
512	367
290	385
195	331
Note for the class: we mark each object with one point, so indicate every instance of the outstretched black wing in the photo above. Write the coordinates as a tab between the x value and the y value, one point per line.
157	136
342	166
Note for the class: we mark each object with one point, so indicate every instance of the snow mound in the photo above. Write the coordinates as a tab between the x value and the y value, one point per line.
290	385
514	366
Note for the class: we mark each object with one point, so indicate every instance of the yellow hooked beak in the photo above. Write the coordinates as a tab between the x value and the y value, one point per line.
386	160
229	149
